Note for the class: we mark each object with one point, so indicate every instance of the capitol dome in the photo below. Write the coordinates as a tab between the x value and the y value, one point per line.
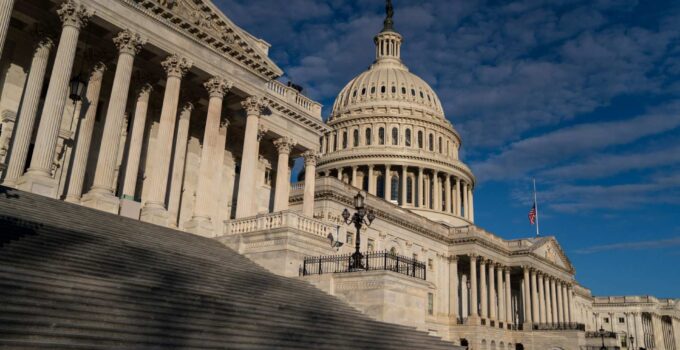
390	137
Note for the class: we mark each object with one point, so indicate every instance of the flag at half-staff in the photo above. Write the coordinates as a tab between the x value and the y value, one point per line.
532	215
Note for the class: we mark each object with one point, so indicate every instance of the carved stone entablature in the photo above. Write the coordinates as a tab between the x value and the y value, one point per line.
72	13
204	23
317	125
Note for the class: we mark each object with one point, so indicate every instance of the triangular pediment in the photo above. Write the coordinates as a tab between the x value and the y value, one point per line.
548	249
204	21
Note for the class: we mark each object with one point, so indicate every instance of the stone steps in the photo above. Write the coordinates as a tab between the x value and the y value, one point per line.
76	278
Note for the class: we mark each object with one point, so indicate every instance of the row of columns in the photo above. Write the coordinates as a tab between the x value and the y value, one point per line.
547	299
174	124
435	190
490	293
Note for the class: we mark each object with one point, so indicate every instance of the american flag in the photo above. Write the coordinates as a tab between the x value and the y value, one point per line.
532	215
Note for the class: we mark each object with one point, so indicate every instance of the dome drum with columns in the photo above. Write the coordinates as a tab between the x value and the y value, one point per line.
391	138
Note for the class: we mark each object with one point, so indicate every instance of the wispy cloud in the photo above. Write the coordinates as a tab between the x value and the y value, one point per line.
626	246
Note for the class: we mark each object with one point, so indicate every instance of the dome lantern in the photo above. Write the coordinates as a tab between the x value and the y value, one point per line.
388	42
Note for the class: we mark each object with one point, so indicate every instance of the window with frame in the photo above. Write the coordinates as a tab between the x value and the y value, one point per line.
380	183
430	264
370	244
344	139
395	136
431	143
440	145
394	188
409	190
335	142
407	138
622	320
606	320
381	136
355	135
430	304
368	136
350	238
420	139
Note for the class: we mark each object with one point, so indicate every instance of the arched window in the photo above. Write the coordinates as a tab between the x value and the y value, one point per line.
373	90
420	139
363	91
394	186
393	251
431	143
413	92
448	147
344	139
440	145
407	140
355	142
368	136
403	90
335	142
409	190
382	89
354	94
394	89
395	136
380	184
381	136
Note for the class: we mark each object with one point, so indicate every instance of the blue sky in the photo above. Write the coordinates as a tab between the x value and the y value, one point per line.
582	95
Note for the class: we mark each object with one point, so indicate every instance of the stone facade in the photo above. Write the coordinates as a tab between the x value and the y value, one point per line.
181	123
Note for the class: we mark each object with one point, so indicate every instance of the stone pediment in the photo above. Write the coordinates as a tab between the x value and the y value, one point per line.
202	20
548	249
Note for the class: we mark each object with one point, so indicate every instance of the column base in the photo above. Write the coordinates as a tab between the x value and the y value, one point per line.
201	226
154	214
72	199
130	208
39	184
101	201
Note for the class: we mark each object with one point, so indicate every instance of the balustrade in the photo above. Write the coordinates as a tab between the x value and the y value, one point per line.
284	219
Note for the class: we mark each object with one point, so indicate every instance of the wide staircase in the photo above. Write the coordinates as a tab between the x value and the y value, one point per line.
77	278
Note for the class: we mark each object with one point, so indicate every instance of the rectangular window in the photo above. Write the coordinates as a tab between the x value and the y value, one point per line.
430	304
622	320
350	238
430	264
606	320
371	245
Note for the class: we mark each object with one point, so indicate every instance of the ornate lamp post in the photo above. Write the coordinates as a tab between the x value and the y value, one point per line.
602	332
359	219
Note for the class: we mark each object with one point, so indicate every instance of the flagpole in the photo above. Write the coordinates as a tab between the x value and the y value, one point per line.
536	206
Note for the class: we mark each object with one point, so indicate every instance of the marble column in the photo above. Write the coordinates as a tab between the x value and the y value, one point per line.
447	188
403	185
541	297
570	305
501	293
136	142
247	179
453	287
535	315
38	179
483	292
154	210
282	190
560	309
212	156
388	183
29	105
474	306
371	180
527	296
339	172
5	15
84	140
639	331
565	301
458	199
354	176
553	302
508	297
492	290
548	302
311	158
471	202
179	162
101	196
466	199
421	190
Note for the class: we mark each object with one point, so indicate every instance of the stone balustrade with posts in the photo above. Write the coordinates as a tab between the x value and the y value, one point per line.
279	220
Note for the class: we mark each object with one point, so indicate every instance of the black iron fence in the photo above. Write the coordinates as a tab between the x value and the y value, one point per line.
559	327
371	261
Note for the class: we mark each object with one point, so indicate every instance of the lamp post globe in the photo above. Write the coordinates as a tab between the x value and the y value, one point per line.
359	219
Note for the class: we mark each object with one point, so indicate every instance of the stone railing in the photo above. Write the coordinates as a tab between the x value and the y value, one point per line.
284	219
294	97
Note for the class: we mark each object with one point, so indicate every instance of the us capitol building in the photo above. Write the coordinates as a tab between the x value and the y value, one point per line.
167	112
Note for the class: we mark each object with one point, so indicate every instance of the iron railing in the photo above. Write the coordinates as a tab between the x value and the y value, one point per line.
371	261
559	327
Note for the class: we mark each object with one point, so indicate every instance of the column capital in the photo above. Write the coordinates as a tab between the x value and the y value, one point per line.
144	89
284	144
253	105
176	65
74	14
499	266
129	42
310	157
217	87
453	258
98	70
507	269
482	260
44	43
472	256
187	108
261	131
